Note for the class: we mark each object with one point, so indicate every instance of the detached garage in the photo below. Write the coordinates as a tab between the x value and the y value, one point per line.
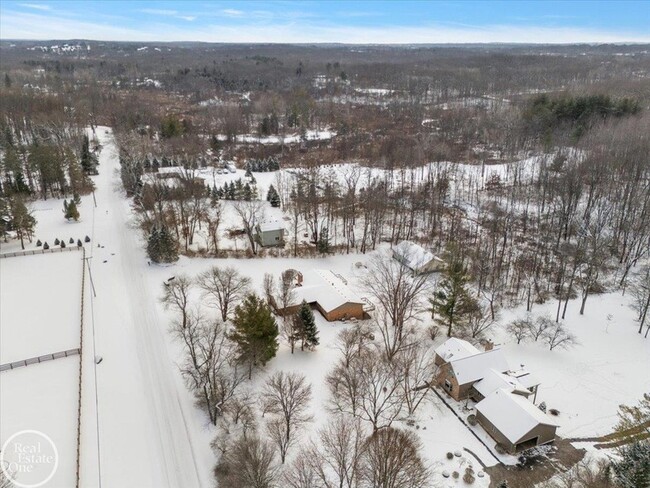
514	422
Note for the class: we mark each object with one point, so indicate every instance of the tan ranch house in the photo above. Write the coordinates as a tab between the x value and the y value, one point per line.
505	408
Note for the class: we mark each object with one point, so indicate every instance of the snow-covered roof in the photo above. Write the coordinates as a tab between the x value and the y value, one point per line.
494	380
513	415
413	255
473	368
325	287
270	225
524	377
455	348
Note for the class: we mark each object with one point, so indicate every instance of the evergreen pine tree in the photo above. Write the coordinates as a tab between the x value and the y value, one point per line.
255	332
57	241
87	239
632	470
308	330
153	245
39	243
168	246
324	241
71	241
62	244
79	244
70	210
46	245
87	160
452	304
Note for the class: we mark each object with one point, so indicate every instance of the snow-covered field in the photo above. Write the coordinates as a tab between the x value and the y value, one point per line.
150	432
39	315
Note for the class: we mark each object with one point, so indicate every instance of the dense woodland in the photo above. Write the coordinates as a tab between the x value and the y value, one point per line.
568	217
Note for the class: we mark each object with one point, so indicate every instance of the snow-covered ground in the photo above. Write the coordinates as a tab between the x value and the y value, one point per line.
39	315
151	434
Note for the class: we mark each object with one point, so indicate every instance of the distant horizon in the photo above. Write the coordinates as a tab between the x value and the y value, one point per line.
371	22
343	44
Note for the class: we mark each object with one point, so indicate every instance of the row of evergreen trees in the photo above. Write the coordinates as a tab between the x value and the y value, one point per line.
263	165
237	190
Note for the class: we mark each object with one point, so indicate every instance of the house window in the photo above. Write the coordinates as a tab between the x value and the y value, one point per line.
277	238
448	385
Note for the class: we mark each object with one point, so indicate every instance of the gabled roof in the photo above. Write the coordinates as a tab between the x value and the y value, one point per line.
327	289
413	255
513	415
494	380
455	348
270	225
474	368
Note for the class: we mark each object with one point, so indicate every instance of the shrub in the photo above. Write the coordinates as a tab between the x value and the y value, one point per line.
46	245
500	448
468	478
471	420
455	475
57	241
71	241
62	244
87	239
450	455
554	411
39	243
79	243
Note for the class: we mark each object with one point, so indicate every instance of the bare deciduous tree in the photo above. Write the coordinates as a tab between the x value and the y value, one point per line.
417	368
559	337
249	212
286	396
176	295
249	462
396	289
392	460
370	388
210	366
225	287
520	328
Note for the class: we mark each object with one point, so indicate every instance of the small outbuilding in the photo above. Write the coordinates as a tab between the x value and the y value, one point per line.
270	233
514	422
416	258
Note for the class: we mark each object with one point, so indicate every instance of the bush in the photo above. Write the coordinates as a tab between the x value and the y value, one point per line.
39	243
57	241
455	475
433	332
71	241
471	420
79	243
46	245
499	448
468	478
450	455
555	412
87	239
62	244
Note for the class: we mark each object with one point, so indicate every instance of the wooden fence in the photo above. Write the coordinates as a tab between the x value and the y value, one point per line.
71	247
39	359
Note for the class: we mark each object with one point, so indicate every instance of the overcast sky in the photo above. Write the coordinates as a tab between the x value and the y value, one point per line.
372	22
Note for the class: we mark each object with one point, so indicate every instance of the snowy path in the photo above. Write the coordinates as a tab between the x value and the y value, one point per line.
146	422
